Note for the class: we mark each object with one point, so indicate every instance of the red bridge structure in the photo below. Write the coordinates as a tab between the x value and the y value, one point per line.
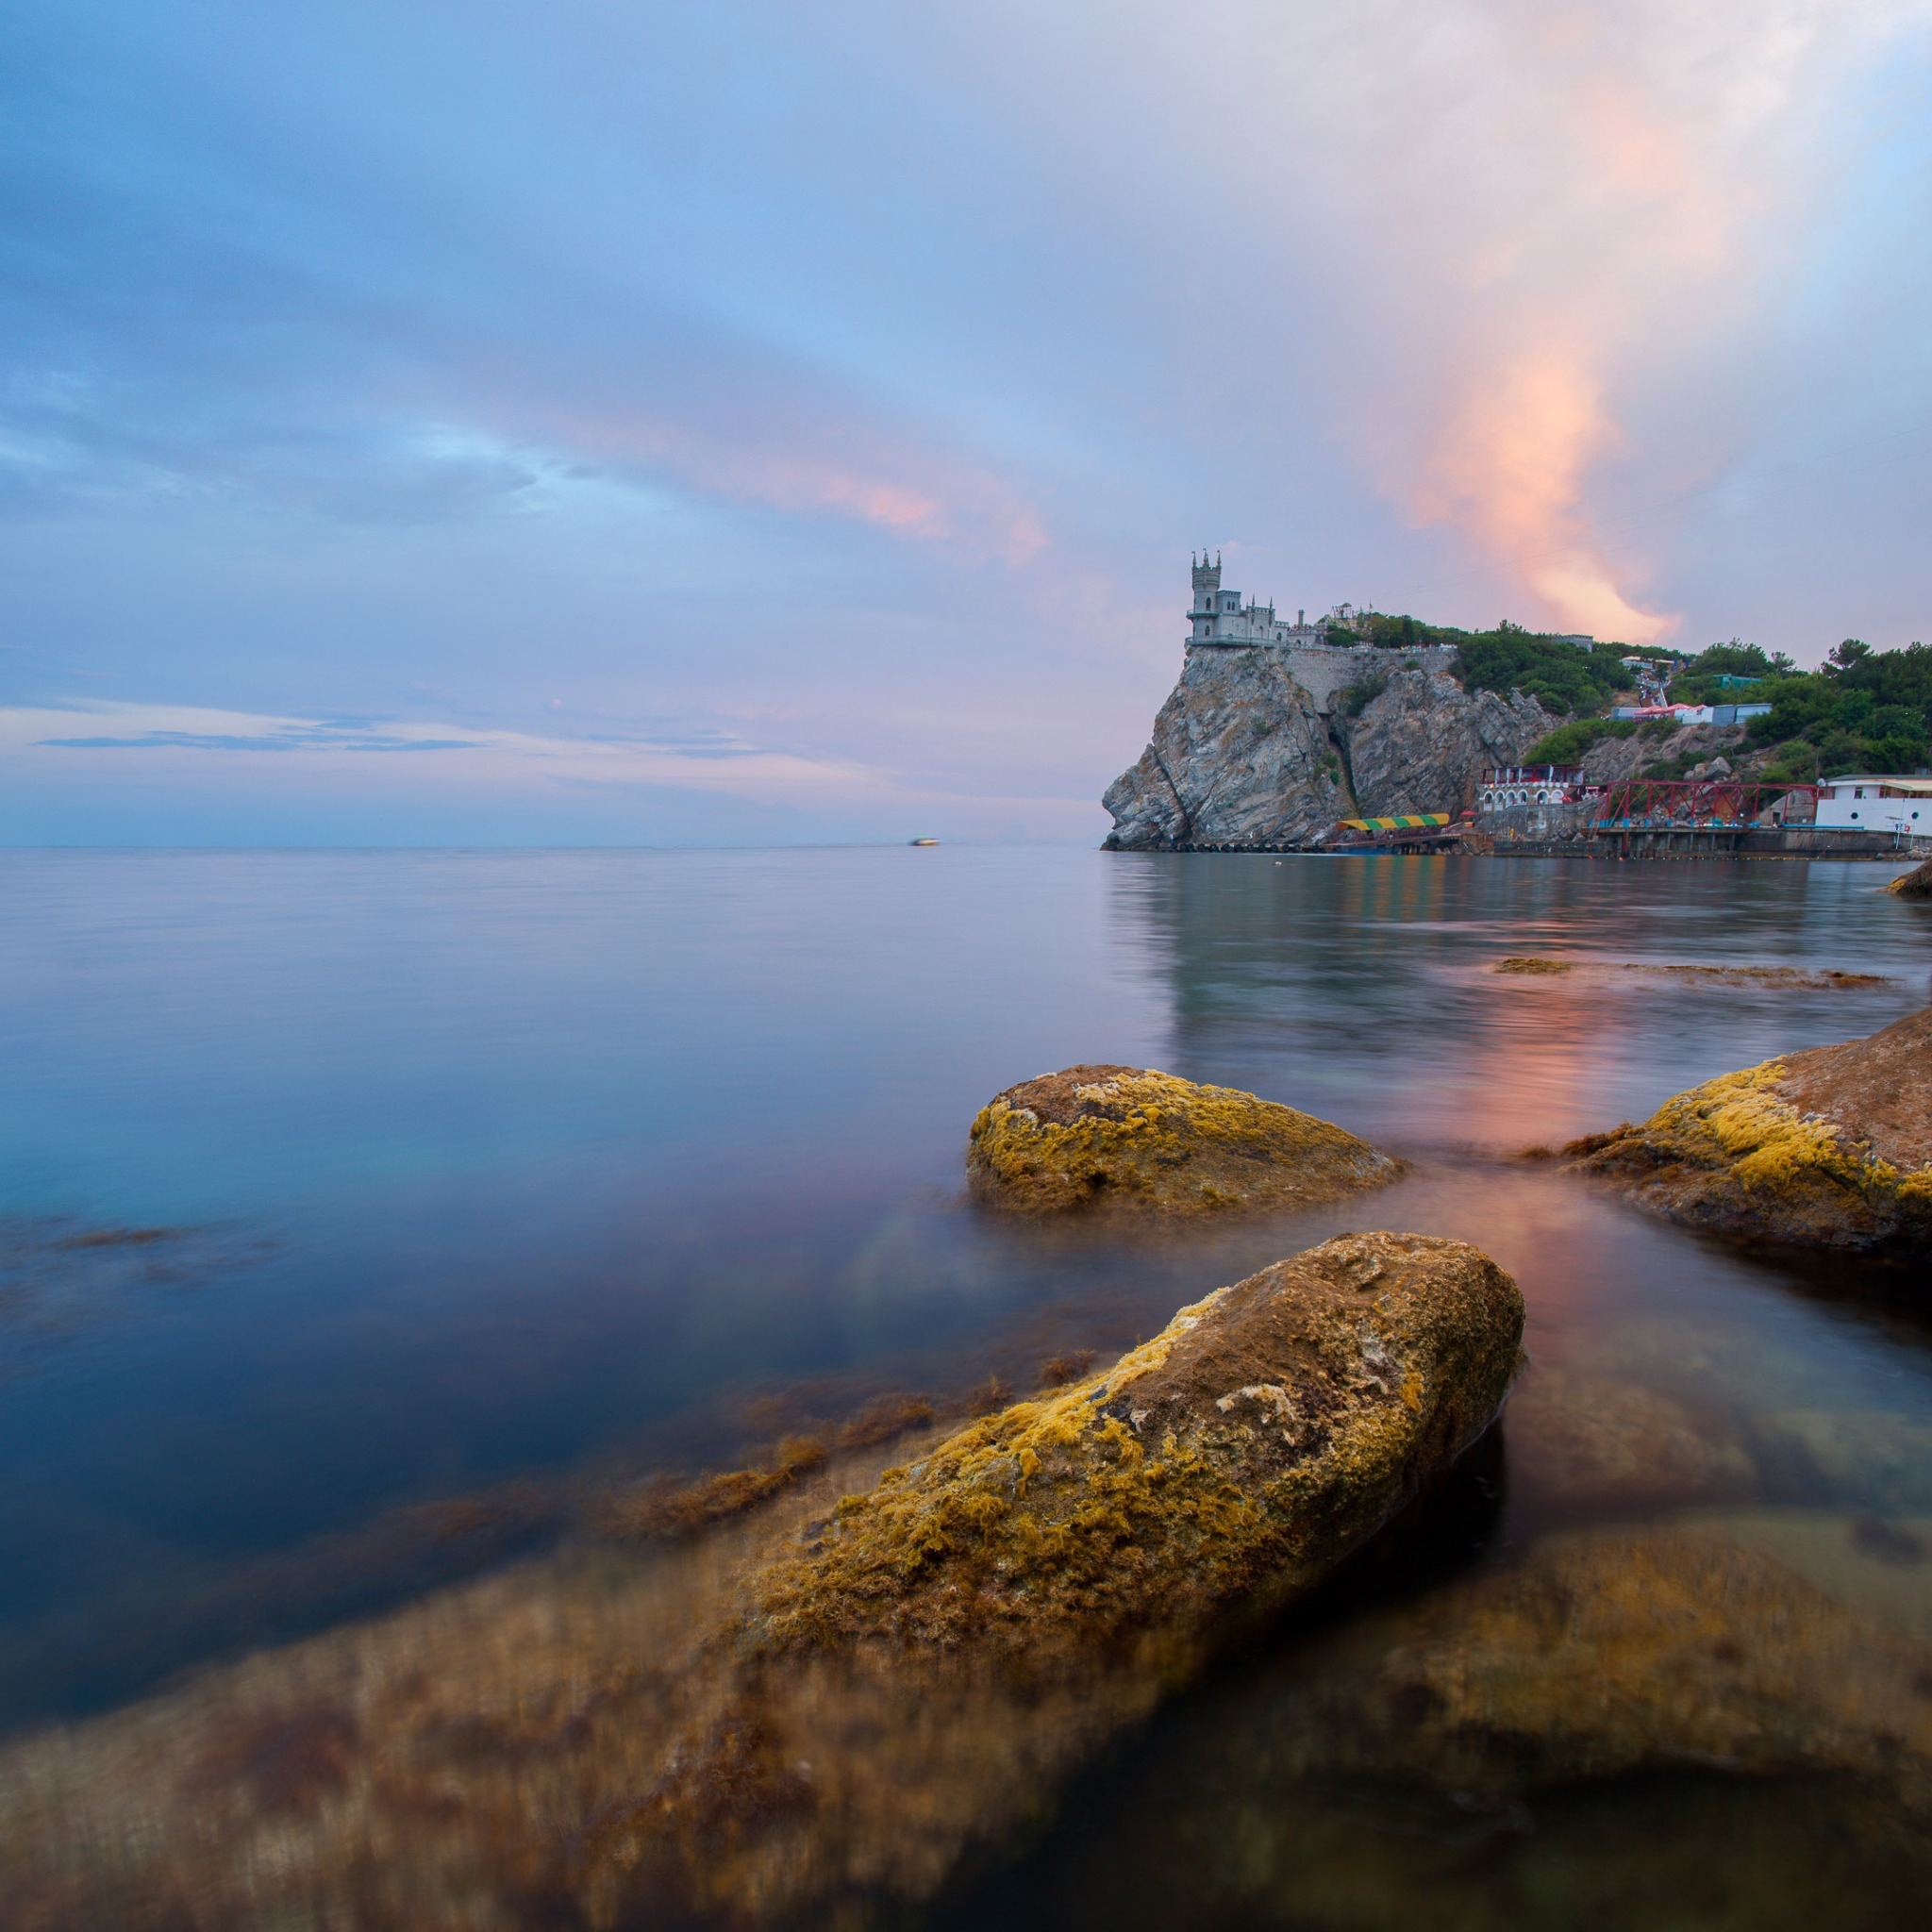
1661	817
1716	803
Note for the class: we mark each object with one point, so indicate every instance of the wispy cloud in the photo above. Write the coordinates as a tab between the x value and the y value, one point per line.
96	745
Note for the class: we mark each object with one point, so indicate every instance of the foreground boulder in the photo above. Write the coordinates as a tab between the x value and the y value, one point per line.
806	1720
1827	1148
1122	1136
947	1647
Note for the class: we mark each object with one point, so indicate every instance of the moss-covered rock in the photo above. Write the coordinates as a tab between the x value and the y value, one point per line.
1127	1137
808	1714
1259	1435
1828	1148
948	1646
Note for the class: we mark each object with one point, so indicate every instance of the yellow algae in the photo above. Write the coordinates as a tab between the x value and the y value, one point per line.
1742	1153
1171	1478
1133	1137
808	1713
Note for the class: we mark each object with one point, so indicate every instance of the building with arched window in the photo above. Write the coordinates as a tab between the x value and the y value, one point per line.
1503	785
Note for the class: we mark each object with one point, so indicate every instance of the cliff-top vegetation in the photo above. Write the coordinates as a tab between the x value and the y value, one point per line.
1861	711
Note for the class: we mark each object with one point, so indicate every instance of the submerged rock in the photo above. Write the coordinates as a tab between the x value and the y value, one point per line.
1592	1737
1828	1148
1586	1441
1128	1137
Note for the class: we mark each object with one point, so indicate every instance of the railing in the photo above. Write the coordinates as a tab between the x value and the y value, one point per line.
1633	803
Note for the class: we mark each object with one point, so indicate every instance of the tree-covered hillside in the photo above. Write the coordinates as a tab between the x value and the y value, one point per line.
1560	675
1862	710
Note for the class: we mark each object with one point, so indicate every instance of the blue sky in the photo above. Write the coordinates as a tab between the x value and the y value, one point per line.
762	423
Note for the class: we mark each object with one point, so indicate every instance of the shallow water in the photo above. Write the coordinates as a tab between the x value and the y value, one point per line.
336	1184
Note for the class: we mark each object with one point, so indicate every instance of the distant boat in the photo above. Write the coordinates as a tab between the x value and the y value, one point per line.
922	842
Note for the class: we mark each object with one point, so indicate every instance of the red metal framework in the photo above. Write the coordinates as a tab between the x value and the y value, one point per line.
1687	802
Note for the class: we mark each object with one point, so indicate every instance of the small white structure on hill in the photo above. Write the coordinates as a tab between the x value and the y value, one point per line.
1865	803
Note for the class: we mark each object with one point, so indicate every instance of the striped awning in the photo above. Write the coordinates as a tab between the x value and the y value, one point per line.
1421	823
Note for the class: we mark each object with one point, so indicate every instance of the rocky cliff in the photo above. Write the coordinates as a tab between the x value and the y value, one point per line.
1422	744
1242	756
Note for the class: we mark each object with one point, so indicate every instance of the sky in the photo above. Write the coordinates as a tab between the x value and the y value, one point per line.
759	423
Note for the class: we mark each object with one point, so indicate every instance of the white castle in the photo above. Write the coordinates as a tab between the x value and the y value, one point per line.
1219	617
1325	657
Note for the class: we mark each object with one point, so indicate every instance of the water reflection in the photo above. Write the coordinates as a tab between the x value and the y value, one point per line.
594	1280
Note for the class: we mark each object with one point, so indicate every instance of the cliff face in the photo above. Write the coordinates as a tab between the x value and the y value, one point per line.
1422	744
1242	756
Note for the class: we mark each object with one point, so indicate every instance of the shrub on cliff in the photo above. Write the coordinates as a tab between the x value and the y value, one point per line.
1568	742
1863	710
1561	677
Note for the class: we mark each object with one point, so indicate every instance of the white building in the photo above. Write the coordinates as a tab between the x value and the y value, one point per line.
1219	617
1503	785
1865	803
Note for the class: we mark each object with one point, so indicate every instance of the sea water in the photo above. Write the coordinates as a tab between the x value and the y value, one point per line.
336	1185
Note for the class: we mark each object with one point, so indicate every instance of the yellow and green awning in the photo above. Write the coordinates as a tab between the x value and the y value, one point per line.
1422	822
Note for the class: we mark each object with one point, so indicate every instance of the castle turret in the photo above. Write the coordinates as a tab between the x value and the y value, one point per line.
1206	582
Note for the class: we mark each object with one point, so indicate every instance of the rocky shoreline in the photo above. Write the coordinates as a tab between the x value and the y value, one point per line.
1244	757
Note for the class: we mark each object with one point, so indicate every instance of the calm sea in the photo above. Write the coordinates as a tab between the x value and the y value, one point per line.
334	1184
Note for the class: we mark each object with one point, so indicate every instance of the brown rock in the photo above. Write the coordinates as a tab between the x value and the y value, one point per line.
1618	1725
840	1720
1594	1441
1827	1148
1916	884
1125	1137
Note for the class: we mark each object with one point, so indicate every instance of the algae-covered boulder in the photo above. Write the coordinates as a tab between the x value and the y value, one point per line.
1257	1438
1128	1137
806	1715
948	1646
1827	1148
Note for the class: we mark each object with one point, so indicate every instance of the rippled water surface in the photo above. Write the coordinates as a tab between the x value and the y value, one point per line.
354	1208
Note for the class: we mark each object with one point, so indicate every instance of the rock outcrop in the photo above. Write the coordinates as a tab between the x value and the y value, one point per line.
1421	745
813	1738
1611	758
1916	884
1828	1148
1125	1137
1242	756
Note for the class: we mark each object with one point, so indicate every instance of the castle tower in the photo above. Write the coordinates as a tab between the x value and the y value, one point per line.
1206	581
